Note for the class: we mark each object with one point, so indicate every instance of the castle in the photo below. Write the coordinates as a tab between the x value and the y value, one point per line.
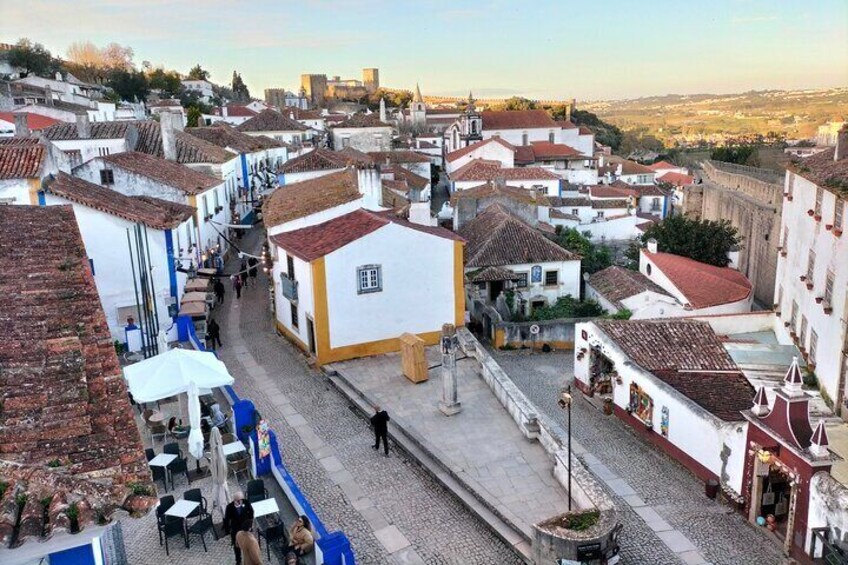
318	88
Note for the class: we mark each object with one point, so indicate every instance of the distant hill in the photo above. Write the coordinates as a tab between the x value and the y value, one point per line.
687	119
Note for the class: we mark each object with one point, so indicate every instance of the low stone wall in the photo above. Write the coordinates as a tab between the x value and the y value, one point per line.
586	492
557	334
828	507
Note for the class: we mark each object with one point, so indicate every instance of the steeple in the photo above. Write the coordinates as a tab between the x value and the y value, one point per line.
793	380
761	406
469	108
819	441
418	97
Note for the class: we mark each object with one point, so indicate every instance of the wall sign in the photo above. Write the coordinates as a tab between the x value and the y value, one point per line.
536	273
664	421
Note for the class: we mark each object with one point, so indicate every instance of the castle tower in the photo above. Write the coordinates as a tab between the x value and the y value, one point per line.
418	111
371	79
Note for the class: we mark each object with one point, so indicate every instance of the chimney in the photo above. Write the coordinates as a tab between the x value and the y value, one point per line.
841	151
48	96
21	127
83	127
170	124
370	186
382	110
225	112
652	245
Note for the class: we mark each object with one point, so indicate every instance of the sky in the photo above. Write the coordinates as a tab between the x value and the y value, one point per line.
588	50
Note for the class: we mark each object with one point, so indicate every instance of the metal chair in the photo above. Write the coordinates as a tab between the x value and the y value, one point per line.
157	429
179	466
228	438
194	495
173	448
169	527
271	535
239	466
149	453
200	527
256	490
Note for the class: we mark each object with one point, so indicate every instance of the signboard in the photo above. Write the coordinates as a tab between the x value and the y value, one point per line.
534	329
536	274
588	551
263	439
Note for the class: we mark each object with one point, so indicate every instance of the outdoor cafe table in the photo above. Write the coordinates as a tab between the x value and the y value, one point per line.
197	285
156	418
265	507
234	447
207	272
162	460
193	309
181	509
195	296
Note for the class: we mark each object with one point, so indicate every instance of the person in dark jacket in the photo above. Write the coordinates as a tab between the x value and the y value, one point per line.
238	517
243	273
213	334
380	421
219	289
253	270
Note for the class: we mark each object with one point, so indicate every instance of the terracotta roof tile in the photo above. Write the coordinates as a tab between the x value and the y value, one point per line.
227	137
677	179
703	285
609	191
21	161
301	199
407	176
18	141
235	111
821	170
492	274
617	283
321	159
152	212
662	165
454	155
371	120
484	170
380	157
63	394
497	238
316	241
271	120
35	122
607	204
679	345
517	119
544	150
163	171
725	395
493	189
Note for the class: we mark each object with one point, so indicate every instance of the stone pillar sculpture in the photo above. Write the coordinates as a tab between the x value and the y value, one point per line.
449	405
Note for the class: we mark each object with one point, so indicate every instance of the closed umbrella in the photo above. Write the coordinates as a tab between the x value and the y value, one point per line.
162	342
195	436
169	374
218	467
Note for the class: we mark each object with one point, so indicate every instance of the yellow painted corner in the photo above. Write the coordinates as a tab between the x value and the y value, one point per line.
291	336
458	284
34	187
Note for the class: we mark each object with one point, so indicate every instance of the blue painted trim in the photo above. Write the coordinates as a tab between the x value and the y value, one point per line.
172	265
244	174
665	207
41	199
281	179
91	264
248	218
80	555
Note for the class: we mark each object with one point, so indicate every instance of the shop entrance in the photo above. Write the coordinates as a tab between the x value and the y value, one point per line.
774	502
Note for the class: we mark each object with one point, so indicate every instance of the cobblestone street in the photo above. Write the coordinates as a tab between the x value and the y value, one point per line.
721	535
391	509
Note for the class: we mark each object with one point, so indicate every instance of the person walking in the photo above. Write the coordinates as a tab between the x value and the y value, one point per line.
213	334
249	546
380	422
243	273
237	285
253	270
219	289
238	516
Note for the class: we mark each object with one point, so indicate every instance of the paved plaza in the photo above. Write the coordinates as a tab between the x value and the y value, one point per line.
659	501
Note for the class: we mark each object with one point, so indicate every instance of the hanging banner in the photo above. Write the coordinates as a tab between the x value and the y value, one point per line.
263	439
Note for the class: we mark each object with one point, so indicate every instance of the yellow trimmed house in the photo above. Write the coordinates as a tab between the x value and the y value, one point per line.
350	286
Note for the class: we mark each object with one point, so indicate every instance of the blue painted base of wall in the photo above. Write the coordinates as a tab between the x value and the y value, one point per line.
82	555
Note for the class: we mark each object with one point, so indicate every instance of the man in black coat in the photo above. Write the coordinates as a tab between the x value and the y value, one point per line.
380	421
237	517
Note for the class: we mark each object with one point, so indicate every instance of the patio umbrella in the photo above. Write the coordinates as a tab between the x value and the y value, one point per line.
195	436
170	373
162	342
218	467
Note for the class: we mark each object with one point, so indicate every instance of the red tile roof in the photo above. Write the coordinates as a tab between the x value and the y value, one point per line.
565	124
313	242
703	285
271	120
517	119
677	179
821	170
163	171
35	122
407	176
725	395
662	165
236	111
671	344
152	212
371	120
584	131
400	156
454	155
308	197
627	167
21	161
608	191
484	170
524	155
497	238
617	284
226	136
494	189
63	396
546	150
321	159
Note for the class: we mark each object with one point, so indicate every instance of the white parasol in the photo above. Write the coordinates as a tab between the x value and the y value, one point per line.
170	373
218	467
195	436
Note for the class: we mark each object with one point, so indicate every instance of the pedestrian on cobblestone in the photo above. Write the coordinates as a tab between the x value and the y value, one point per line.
219	289
237	285
238	516
253	270
243	273
249	546
213	334
380	422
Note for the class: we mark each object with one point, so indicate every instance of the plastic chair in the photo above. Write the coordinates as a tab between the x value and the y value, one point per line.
149	453
271	535
200	527
173	448
239	466
179	466
256	490
155	430
169	528
194	495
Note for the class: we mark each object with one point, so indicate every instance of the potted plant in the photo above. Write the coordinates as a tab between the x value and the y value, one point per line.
810	212
608	406
819	299
73	516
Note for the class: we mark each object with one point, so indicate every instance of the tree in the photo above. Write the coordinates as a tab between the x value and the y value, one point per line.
738	154
393	98
193	117
519	103
605	133
166	81
568	307
240	91
191	98
130	85
33	58
116	56
197	73
95	64
595	257
706	241
639	140
558	112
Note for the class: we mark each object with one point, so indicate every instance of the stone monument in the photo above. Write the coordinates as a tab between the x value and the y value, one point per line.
449	405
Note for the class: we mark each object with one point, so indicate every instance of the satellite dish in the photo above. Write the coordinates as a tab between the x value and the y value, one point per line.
534	329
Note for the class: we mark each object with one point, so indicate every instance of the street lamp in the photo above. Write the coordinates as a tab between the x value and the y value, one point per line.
564	402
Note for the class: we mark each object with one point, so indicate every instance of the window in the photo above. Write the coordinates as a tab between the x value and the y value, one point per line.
600	214
550	137
551	278
802	335
794	319
215	197
814	343
107	176
811	266
828	288
524	138
345	142
575	212
522	280
655	205
838	213
294	316
103	151
790	183
290	266
785	238
648	269
819	197
206	208
369	279
779	298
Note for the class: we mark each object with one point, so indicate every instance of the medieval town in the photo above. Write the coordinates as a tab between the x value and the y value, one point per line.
373	320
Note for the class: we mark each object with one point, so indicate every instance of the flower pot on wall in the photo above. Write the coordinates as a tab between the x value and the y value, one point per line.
608	406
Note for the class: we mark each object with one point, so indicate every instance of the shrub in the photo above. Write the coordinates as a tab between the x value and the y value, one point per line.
810	380
568	307
581	521
139	489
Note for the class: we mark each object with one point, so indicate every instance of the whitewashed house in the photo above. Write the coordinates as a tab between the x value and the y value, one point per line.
105	217
279	126
364	132
811	291
617	288
492	149
531	178
615	168
203	88
10	123
24	164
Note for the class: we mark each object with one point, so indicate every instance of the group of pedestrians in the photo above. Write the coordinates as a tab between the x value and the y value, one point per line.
246	276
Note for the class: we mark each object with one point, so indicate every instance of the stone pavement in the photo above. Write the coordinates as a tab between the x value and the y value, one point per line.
660	503
391	509
482	443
